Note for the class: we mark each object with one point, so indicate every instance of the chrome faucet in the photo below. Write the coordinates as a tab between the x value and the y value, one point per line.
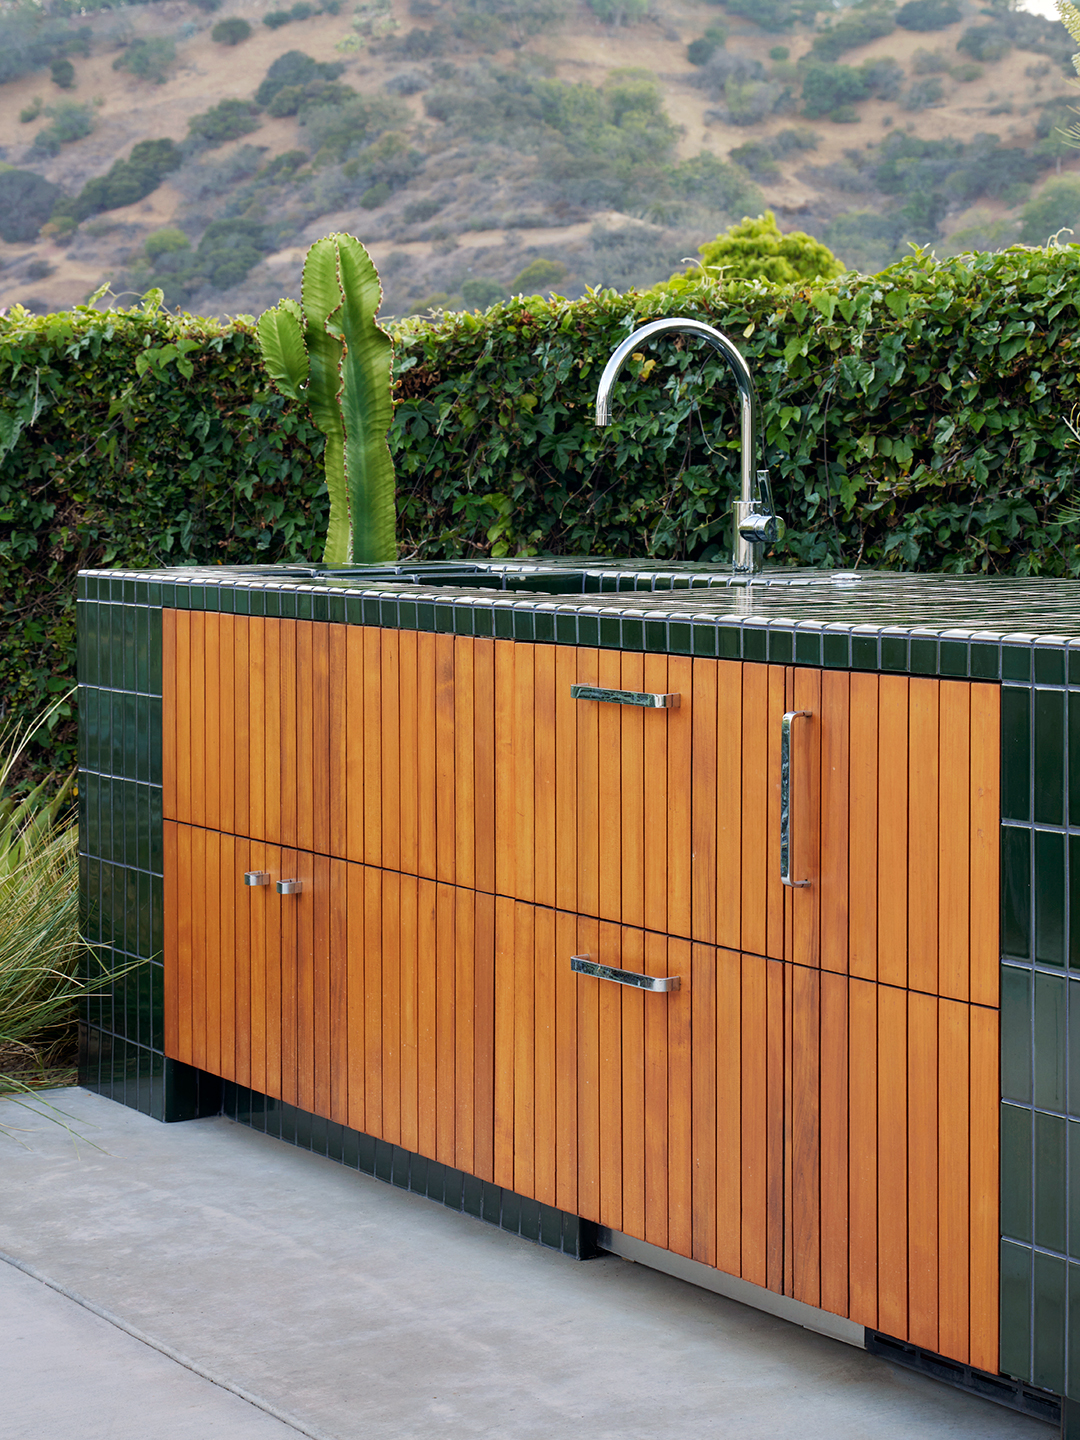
754	521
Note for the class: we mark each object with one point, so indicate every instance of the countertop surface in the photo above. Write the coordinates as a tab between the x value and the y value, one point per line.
1021	608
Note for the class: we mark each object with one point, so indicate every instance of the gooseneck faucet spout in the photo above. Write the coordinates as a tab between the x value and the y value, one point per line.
754	521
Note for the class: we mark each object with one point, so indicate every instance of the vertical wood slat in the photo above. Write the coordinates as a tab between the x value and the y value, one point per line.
923	1182
463	953
567	823
505	1001
727	878
805	1147
484	1038
283	1010
365	760
258	739
677	726
523	795
707	810
224	742
547	962
506	838
337	741
754	1120
338	1018
729	1071
464	760
204	720
954	1140
754	829
262	922
171	691
774	1123
484	759
609	899
524	1049
703	980
892	838
545	769
985	818
566	1063
439	848
954	897
631	764
892	1158
835	820
305	907
659	743
288	754
776	905
632	1005
657	1097
446	1059
863	755
680	1083
609	1074
399	897
924	819
862	1151
304	759
835	1151
323	901
409	896
405	812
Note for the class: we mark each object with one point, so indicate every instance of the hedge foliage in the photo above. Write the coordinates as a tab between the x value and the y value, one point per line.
915	419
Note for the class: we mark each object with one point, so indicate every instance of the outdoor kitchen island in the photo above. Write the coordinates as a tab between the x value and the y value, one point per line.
623	905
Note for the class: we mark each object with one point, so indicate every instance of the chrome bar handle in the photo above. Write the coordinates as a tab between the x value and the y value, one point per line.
289	887
584	966
625	697
256	877
785	798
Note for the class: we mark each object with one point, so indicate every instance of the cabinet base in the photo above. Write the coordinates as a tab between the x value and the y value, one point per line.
1015	1394
731	1286
144	1079
457	1190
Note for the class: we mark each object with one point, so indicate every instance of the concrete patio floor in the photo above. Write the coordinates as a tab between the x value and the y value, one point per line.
354	1311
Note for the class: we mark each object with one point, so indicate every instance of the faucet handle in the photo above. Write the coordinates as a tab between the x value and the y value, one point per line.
759	527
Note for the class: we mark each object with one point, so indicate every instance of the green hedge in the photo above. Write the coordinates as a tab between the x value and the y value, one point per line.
915	419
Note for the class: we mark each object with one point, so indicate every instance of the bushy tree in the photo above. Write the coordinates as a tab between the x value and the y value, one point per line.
928	14
227	120
759	250
126	181
231	31
293	68
1056	207
832	87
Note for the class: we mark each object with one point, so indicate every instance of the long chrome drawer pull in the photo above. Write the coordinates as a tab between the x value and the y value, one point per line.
584	966
289	887
256	877
785	797
625	697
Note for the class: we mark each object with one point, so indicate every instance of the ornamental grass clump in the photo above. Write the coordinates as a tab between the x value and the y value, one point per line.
44	968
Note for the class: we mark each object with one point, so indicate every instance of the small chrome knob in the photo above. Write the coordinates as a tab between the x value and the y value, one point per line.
256	877
289	887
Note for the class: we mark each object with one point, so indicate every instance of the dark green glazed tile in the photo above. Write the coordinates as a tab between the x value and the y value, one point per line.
407	614
463	619
894	654
1048	1339
1074	1049
153	652
144	929
633	633
510	1219
1015	1357
679	637
134	741
153	724
1051	1179
1049	666
703	640
924	655
588	631
337	611
373	611
291	606
544	628
388	614
1049	897
952	657
502	619
444	619
354	609
864	652
1016	662
156	844
1016	1013
227	599
755	644
1074	1197
781	647
565	629
985	662
1074	665
1015	753
492	1205
729	642
1070	1416
1074	752
141	677
610	635
808	647
1016	891
1016	1172
1049	757
835	651
157	917
425	616
656	637
272	604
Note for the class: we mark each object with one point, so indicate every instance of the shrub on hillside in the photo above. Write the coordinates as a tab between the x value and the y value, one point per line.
31	39
769	14
293	68
828	87
481	292
928	14
231	31
148	59
126	181
70	122
538	276
985	43
855	27
701	51
26	202
227	120
925	93
62	73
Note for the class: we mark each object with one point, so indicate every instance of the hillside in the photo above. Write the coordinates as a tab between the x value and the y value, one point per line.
485	146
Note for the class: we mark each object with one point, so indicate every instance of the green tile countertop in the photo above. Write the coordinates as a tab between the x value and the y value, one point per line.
1016	629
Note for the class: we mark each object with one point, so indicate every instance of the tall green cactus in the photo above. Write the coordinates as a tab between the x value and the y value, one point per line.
330	352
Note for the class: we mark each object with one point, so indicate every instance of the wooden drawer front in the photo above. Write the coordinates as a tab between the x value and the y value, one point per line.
895	818
366	998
